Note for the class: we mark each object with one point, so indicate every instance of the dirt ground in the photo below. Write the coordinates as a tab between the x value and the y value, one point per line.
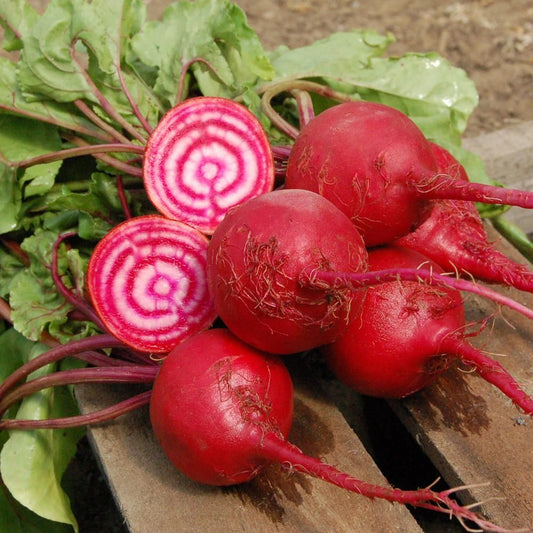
492	40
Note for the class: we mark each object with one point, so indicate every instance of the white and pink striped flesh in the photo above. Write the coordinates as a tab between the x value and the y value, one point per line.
205	156
147	281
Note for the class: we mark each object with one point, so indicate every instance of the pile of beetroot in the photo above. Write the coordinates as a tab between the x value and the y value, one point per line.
354	241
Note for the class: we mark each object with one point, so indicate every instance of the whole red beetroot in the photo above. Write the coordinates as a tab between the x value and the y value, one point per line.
261	254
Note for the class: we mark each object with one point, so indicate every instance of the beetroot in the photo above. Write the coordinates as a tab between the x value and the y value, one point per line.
206	155
222	411
256	259
452	234
407	334
147	281
213	401
284	271
375	164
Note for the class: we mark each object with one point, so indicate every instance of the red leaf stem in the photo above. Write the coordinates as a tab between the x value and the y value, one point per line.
96	417
57	353
130	374
77	302
106	105
100	122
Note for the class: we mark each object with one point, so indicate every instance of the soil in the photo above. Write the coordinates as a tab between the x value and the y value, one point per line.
491	40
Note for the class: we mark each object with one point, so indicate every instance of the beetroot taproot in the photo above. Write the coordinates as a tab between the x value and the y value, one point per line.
256	259
206	155
147	282
453	235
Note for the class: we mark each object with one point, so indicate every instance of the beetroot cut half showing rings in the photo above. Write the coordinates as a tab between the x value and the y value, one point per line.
147	282
206	155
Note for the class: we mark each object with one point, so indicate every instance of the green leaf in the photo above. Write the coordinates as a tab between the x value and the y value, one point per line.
436	95
36	304
32	462
10	266
22	138
101	198
331	56
11	101
92	228
515	235
69	205
75	52
9	515
15	518
47	67
214	31
15	349
17	18
10	199
108	41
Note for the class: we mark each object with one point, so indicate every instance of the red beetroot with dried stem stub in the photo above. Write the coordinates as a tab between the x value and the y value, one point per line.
407	333
147	282
452	234
206	155
284	271
375	164
222	411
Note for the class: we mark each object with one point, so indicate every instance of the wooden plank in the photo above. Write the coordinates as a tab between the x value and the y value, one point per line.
153	496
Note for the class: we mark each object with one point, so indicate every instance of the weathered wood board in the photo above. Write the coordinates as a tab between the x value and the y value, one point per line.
469	430
153	496
508	158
